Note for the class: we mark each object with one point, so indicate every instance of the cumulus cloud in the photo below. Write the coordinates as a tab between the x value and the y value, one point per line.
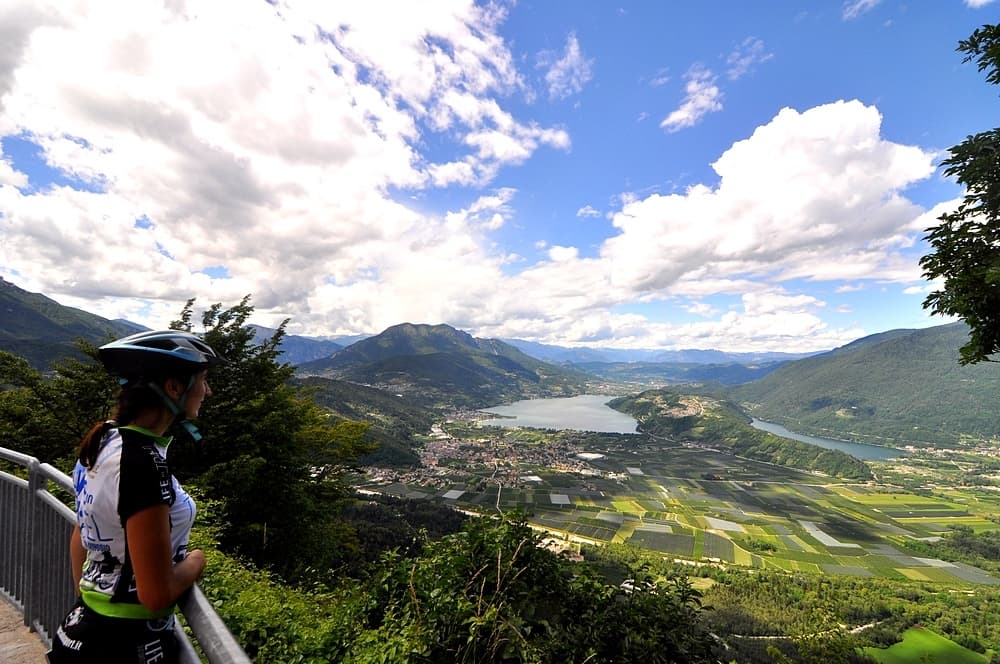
588	211
701	309
9	175
566	73
276	168
976	4
815	195
745	57
202	168
702	96
486	212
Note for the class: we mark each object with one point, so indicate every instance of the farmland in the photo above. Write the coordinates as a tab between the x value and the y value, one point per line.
701	505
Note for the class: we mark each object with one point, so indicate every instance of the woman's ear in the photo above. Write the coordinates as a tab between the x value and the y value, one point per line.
174	388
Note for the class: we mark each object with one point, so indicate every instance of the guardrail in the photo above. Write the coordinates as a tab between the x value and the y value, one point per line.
35	570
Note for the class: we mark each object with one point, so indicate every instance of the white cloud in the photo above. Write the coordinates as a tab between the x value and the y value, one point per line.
486	212
588	211
11	176
745	57
855	8
813	195
561	254
849	288
702	97
660	78
976	4
275	167
566	74
701	309
286	171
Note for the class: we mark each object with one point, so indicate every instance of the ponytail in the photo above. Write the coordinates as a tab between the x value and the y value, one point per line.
133	399
90	447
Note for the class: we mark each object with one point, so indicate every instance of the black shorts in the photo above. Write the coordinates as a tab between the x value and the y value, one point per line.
87	636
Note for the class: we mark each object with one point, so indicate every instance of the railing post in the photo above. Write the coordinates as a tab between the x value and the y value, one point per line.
35	574
32	554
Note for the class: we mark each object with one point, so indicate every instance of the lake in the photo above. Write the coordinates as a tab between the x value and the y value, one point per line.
588	412
856	450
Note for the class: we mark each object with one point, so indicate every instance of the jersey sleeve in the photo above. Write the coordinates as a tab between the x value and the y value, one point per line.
145	480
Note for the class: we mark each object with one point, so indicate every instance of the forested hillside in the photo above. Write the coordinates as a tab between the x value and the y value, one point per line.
715	423
897	388
437	365
394	421
40	329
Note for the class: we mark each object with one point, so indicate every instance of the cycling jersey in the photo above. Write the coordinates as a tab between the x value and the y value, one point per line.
130	474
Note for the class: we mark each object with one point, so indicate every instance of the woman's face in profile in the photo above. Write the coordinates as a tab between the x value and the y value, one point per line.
196	395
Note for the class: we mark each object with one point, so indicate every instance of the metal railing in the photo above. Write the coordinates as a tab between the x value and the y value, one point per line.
35	570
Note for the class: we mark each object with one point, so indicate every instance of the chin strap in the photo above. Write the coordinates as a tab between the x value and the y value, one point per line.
177	408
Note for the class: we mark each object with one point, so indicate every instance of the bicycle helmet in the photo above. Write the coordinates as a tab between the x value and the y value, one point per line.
150	357
157	354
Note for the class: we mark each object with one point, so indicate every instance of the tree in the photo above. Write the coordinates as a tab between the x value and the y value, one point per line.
48	418
966	244
492	594
270	456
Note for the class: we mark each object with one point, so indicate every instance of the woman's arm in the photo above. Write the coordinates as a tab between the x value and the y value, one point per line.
77	556
159	582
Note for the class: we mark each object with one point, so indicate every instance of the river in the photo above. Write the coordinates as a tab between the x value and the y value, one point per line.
588	412
856	450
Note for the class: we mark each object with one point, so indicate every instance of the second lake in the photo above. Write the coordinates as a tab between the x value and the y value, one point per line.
856	450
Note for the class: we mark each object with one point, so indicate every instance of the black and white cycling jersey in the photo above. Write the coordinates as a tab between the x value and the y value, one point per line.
129	475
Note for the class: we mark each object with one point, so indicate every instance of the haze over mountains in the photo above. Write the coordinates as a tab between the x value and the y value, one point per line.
894	388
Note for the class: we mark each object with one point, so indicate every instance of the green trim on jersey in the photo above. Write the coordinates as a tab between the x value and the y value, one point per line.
100	603
159	440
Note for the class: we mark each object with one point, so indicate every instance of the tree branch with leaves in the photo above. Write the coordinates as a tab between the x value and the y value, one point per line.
966	243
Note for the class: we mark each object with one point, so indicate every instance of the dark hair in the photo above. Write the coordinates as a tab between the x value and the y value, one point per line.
134	398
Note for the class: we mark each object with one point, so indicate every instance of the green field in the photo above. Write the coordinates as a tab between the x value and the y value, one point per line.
921	646
716	508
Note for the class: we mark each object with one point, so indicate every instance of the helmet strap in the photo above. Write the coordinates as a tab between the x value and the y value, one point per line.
177	407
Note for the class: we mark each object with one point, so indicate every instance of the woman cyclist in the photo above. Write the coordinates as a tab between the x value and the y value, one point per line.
129	547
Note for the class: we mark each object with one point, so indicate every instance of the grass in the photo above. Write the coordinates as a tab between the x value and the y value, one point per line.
921	645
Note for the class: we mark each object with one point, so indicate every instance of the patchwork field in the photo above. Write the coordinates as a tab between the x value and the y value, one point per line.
713	508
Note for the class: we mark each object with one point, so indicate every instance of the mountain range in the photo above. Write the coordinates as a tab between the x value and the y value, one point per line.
40	329
437	364
898	387
895	388
584	355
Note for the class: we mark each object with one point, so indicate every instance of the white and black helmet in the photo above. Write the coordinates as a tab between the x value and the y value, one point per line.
157	354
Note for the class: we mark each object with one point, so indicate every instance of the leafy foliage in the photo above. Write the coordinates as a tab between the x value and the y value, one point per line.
394	421
271	455
966	244
486	594
492	594
48	418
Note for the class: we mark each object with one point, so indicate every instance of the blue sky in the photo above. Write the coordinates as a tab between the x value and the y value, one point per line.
731	175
